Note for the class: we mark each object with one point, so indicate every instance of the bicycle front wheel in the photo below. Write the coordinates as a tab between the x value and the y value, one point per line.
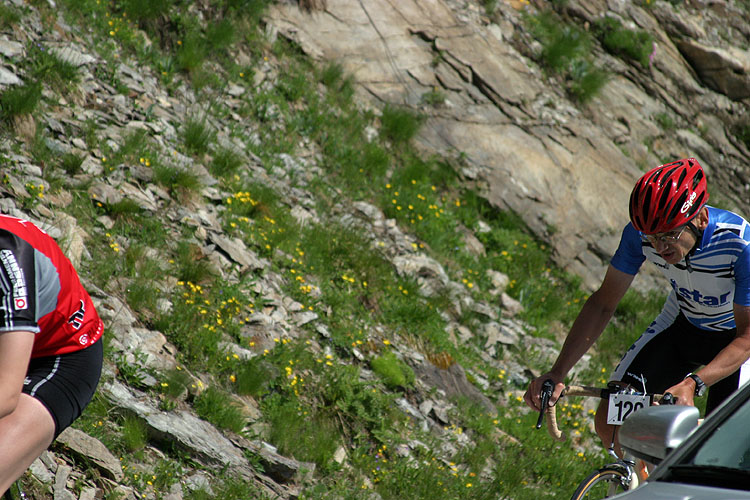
603	483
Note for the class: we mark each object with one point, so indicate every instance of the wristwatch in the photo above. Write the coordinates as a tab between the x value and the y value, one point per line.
700	386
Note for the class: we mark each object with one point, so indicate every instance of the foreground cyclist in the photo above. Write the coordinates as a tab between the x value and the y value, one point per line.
701	338
50	347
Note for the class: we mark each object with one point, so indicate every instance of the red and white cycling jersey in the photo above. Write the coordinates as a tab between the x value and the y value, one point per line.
40	291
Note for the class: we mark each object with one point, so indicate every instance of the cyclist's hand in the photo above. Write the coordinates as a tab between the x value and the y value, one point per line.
533	393
683	393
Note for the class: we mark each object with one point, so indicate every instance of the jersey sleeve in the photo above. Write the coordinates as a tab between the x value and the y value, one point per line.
629	255
742	278
17	284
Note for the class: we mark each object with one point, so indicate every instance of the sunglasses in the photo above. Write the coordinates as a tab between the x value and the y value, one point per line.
668	237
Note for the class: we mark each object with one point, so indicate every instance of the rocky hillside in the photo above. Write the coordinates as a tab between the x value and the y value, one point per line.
327	239
495	82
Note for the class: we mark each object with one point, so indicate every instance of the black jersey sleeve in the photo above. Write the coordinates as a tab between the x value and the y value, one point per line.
17	284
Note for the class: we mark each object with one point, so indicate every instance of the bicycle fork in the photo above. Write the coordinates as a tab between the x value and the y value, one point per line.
626	464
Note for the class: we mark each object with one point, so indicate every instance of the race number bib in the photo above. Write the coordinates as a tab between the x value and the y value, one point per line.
621	406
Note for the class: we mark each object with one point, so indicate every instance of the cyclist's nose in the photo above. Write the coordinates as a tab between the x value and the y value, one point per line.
660	245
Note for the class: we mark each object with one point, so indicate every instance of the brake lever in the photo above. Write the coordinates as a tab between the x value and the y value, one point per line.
547	387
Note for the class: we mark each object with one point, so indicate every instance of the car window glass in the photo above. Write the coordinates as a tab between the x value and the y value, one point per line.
729	444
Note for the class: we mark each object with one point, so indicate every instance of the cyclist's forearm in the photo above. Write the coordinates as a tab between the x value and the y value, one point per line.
587	327
734	354
727	361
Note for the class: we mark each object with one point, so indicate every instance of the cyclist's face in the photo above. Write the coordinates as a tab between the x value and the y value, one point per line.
673	251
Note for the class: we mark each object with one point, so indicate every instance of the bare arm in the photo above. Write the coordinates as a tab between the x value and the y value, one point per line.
588	326
15	352
725	363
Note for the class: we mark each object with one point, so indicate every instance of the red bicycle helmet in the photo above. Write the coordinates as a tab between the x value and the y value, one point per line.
668	196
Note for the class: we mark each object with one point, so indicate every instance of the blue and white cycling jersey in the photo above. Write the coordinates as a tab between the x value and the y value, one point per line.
707	283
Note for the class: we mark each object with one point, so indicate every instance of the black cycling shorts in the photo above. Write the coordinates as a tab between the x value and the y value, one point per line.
65	383
663	359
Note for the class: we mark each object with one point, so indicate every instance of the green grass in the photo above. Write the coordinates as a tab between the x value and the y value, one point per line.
489	6
70	163
227	487
43	65
9	15
145	10
178	180
307	435
134	433
217	407
588	80
566	51
433	97
340	85
255	378
197	135
399	125
665	121
395	373
636	45
226	162
22	100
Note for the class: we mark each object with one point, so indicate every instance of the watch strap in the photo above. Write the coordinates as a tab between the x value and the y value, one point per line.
700	386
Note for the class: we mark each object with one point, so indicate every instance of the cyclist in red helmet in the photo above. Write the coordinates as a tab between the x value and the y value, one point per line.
701	338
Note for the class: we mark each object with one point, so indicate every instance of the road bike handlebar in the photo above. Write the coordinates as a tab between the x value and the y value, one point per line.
581	390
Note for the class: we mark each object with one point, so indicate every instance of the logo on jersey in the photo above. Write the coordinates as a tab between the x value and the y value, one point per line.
76	319
17	279
697	297
689	203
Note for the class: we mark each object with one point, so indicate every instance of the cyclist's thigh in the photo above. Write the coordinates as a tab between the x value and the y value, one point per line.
65	384
702	346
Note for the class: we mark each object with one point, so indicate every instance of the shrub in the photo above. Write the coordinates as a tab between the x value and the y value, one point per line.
255	377
21	100
215	406
305	434
618	40
191	51
566	50
197	136
225	162
433	97
46	66
587	80
8	16
395	373
134	433
176	179
71	163
399	125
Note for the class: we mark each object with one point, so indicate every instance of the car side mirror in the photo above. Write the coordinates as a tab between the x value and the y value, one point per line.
651	433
